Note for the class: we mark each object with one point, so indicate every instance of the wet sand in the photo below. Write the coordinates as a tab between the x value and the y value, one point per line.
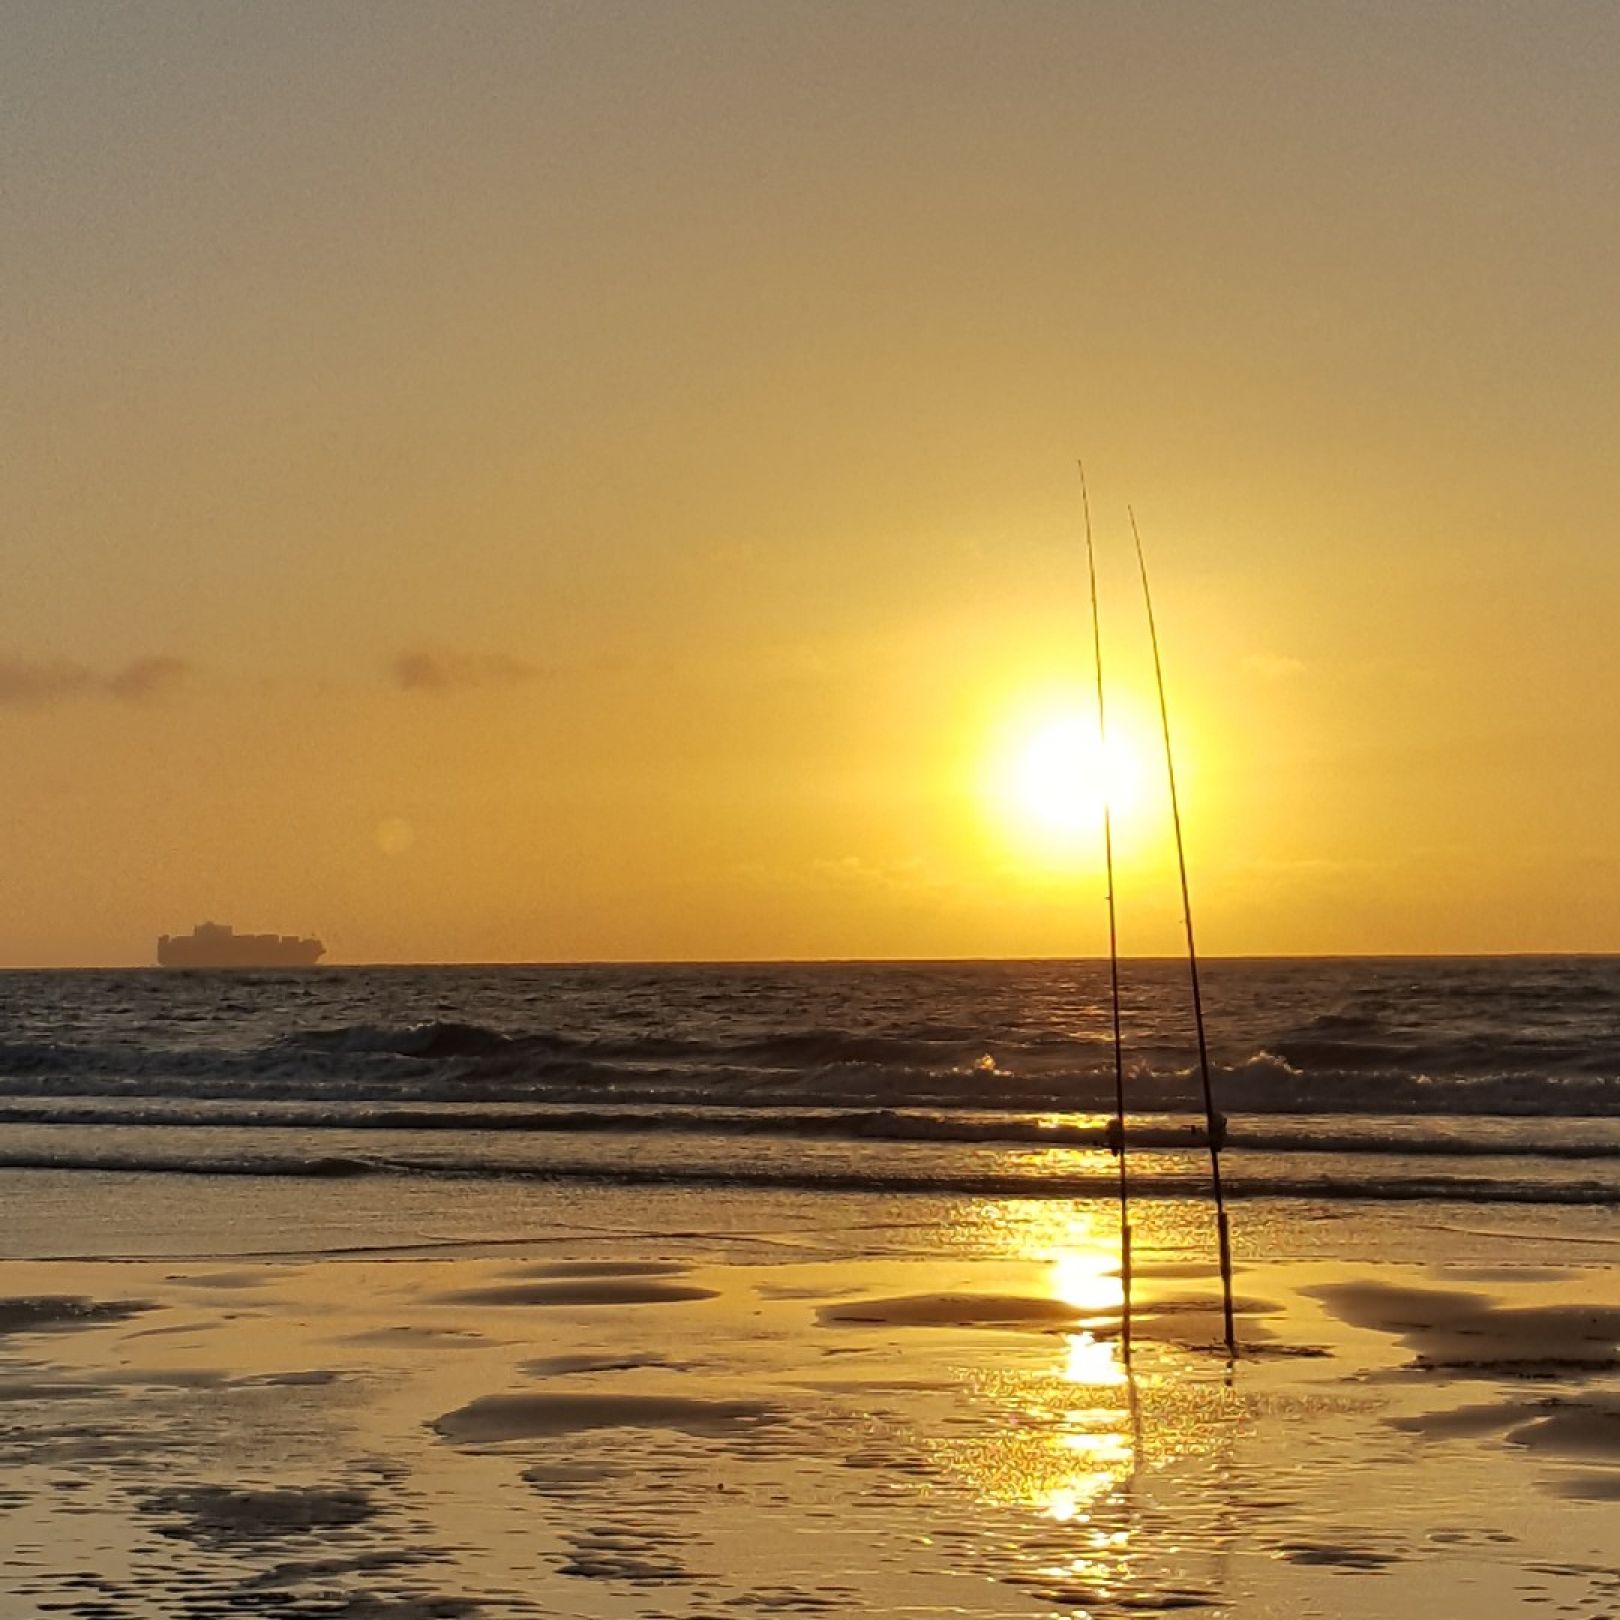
634	1427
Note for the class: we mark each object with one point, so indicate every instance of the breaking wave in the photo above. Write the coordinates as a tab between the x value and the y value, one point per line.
456	1062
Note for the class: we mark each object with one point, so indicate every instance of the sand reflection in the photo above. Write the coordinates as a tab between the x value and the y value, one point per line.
1073	1437
1067	1431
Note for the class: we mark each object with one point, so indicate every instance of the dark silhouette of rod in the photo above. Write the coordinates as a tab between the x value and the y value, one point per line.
1117	1135
1215	1125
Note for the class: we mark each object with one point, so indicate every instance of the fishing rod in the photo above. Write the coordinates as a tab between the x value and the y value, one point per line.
1117	1136
1215	1125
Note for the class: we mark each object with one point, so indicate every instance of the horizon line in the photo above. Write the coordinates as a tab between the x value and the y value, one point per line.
831	961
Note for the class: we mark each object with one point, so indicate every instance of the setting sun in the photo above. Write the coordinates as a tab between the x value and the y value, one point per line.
1052	776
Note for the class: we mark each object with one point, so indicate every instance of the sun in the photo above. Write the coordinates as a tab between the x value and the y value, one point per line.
1051	778
1058	780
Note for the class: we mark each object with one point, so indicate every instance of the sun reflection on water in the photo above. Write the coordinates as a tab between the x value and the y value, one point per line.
1088	1279
1064	1438
1093	1361
1068	1451
1068	1437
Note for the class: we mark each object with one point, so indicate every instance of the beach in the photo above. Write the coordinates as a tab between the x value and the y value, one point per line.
344	1338
890	1411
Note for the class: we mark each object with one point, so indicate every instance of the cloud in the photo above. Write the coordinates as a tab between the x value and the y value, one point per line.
30	684
423	670
144	678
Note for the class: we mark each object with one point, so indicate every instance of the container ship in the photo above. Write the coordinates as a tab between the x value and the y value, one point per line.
216	945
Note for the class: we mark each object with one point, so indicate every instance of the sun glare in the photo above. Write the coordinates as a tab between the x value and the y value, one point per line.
1053	778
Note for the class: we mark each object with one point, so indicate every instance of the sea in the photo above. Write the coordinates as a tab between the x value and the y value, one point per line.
1467	1082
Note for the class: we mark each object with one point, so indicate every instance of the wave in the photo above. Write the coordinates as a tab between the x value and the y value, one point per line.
787	1049
435	1039
867	1125
456	1063
1443	1189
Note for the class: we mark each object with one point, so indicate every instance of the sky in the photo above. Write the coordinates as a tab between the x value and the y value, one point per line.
597	481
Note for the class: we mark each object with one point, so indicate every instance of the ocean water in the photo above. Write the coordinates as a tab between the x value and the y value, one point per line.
1489	1081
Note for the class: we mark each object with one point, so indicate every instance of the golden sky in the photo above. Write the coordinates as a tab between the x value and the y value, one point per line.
596	481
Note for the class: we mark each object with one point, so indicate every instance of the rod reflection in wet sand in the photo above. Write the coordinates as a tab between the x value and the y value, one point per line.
1117	1135
1215	1126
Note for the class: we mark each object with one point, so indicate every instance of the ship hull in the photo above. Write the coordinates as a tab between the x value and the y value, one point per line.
240	951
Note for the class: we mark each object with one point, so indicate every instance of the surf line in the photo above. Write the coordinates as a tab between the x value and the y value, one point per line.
1214	1123
1116	1134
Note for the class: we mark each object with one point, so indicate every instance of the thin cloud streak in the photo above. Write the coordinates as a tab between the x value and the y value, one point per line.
144	678
422	669
34	684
